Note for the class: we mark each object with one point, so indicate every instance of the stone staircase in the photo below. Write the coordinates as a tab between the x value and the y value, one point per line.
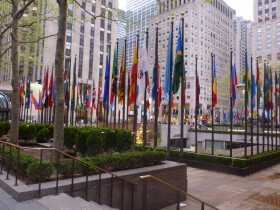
66	202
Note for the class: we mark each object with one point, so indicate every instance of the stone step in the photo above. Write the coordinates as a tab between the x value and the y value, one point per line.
66	202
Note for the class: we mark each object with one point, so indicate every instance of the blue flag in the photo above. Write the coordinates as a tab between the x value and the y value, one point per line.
167	76
106	83
253	91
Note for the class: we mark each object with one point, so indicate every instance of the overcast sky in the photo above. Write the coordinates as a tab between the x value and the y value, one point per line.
242	7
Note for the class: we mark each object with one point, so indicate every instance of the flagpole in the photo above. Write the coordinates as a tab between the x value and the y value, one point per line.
258	105
196	102
135	92
268	110
263	114
212	111
182	89
170	87
116	87
124	81
276	93
145	96
231	95
156	92
246	101
252	99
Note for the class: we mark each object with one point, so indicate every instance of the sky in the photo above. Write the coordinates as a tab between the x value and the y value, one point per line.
242	7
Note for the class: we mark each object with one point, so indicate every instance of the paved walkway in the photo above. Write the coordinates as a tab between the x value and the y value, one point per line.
260	191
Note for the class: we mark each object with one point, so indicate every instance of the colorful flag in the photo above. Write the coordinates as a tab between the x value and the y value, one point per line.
266	88
270	102
156	90
67	87
93	97
178	68
45	89
233	83
214	85
106	81
21	91
246	79
50	92
114	79
253	101
27	93
35	102
121	90
133	78
87	98
259	84
167	76
277	90
143	71
73	93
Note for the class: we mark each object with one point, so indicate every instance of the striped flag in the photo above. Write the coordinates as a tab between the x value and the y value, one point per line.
121	90
214	89
246	79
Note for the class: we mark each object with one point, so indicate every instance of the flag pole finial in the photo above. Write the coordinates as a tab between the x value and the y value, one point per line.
172	17
182	13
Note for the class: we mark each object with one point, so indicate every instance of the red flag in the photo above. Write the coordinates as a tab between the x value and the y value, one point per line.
133	78
50	99
45	89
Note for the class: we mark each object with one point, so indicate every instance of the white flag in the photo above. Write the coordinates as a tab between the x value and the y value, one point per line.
143	70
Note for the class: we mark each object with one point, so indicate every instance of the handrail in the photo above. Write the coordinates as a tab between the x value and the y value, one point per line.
174	188
63	153
112	174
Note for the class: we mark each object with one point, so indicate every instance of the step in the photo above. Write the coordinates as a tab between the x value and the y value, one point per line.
66	202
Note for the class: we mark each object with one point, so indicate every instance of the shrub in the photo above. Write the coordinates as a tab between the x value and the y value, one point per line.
70	136
27	131
4	128
82	141
43	135
94	142
35	170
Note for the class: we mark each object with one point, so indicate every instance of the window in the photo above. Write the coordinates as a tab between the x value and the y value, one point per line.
268	57
268	37
278	25
278	56
259	47
278	35
266	2
92	31
101	59
278	45
110	5
81	40
266	10
69	26
68	52
101	35
93	8
82	29
259	29
68	38
102	23
108	37
268	27
268	46
259	38
103	2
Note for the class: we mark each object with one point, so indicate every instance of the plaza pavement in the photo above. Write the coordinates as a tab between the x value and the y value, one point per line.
260	191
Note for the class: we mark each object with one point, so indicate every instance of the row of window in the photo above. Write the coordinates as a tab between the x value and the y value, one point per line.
268	27
269	46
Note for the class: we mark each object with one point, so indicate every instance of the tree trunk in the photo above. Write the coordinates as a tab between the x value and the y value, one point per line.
15	79
1	56
59	61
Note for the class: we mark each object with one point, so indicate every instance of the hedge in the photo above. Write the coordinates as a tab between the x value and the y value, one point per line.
112	162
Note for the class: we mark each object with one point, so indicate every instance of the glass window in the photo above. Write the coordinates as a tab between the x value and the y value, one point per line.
259	29
268	27
259	47
268	57
259	38
278	25
268	46
268	37
278	35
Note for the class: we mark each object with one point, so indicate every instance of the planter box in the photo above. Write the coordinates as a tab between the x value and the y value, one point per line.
157	195
230	169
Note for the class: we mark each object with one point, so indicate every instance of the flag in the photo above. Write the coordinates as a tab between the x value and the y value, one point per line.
121	90
21	92
87	98
270	103
259	85
197	91
133	78
253	101
73	87
27	93
156	80
143	71
93	97
246	79
167	76
114	79
277	90
233	83
50	92
178	68
45	89
266	88
106	82
35	102
67	87
214	85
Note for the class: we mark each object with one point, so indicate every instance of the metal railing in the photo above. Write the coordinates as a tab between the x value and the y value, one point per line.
113	176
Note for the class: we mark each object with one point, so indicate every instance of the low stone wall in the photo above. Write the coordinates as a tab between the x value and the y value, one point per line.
157	197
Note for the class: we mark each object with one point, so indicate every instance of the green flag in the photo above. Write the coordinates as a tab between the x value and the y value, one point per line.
178	68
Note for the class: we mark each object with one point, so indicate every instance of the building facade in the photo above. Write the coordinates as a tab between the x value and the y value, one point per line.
208	29
266	32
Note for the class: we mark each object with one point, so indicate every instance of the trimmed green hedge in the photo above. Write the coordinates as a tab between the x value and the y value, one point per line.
112	162
4	128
